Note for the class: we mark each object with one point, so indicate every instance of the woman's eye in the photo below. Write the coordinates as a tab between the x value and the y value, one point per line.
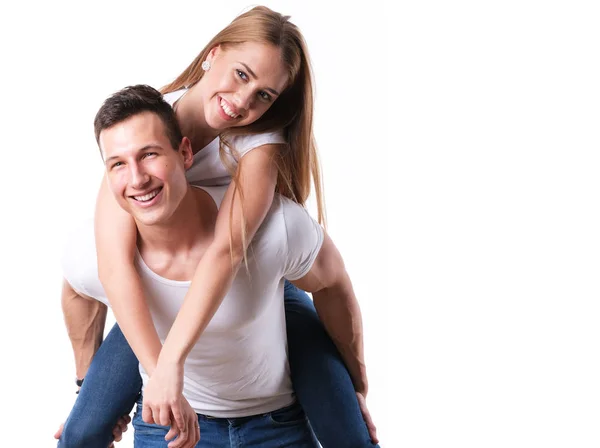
242	75
264	96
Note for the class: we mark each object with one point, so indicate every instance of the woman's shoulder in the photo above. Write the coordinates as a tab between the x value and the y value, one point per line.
246	142
172	97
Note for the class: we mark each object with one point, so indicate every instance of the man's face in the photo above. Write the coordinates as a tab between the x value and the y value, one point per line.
145	173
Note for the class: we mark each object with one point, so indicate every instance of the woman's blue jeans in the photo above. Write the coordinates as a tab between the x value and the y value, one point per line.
321	382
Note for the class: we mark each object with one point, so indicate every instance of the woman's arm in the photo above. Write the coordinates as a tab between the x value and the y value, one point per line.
257	177
116	236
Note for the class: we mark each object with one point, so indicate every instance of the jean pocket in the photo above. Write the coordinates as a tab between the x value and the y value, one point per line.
289	415
141	427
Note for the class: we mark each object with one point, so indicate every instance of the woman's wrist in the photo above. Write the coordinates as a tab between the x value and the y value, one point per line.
170	359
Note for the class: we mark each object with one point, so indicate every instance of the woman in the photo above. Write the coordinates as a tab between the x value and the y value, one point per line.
252	78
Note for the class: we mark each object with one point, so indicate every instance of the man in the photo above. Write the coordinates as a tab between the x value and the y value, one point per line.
237	371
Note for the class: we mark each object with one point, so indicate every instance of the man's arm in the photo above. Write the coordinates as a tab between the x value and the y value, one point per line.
338	309
84	319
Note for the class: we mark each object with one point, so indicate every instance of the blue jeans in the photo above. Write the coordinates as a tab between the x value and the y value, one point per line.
111	387
286	427
320	379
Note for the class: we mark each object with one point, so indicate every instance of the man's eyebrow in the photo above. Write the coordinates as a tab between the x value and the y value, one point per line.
110	158
144	148
273	91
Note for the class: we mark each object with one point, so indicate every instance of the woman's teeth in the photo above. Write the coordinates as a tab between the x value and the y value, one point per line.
227	110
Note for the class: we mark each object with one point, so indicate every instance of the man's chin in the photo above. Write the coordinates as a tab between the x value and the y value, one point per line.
146	219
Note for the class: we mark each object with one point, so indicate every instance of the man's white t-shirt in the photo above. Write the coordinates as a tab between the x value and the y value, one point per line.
207	170
239	365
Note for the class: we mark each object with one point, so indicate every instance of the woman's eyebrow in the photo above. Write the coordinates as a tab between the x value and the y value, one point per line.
273	91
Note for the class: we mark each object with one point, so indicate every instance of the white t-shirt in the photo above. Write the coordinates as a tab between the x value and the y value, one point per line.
239	365
207	169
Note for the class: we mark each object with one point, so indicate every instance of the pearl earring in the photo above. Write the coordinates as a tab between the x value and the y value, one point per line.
206	66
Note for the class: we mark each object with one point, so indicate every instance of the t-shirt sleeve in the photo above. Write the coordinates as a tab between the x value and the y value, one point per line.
171	97
304	239
243	144
79	262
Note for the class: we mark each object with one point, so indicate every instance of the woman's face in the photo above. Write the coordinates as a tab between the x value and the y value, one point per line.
242	83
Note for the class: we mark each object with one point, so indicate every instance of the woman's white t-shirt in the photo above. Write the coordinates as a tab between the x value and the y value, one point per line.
208	169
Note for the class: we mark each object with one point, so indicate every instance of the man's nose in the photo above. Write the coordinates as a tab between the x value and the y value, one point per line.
139	177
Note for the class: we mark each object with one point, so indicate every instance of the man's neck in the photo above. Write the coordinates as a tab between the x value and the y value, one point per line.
188	231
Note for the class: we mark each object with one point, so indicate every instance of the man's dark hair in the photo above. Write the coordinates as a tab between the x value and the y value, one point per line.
134	100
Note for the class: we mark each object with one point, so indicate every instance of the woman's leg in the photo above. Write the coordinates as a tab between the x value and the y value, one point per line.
111	388
320	378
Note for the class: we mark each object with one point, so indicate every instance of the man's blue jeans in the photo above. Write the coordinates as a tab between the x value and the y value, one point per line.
286	427
320	379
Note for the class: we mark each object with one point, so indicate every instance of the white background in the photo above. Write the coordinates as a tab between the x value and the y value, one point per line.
460	147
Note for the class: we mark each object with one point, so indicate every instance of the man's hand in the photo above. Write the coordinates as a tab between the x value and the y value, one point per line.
164	405
58	433
118	430
362	403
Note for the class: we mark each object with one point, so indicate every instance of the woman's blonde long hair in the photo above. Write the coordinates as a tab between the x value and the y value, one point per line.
291	113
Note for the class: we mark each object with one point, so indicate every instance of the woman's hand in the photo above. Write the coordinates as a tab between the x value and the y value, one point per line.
163	395
164	404
191	436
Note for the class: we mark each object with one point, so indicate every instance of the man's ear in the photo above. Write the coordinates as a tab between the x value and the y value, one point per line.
185	148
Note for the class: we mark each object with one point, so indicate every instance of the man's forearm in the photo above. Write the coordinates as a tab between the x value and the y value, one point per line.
340	313
84	319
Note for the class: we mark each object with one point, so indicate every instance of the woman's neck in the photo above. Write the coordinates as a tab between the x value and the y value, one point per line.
190	115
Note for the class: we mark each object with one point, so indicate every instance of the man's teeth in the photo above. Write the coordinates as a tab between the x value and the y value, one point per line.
227	110
146	197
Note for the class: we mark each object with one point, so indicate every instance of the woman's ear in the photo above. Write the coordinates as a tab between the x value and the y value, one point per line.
214	51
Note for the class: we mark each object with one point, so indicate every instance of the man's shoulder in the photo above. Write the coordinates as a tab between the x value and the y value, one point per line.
287	220
216	193
299	236
296	217
79	261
